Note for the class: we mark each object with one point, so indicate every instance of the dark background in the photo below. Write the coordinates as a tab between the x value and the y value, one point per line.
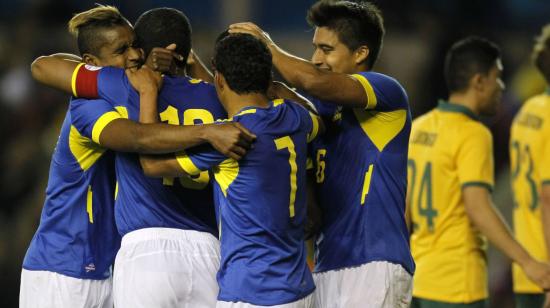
418	34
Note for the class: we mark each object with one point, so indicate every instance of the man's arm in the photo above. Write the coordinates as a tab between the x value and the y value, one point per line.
343	89
196	68
280	90
545	211
485	217
230	139
55	70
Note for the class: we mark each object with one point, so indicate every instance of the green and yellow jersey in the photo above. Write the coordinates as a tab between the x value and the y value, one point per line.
449	149
530	167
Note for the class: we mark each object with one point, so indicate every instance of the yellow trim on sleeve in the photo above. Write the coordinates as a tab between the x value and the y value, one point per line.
314	129
226	173
84	150
123	111
371	96
100	124
247	111
73	79
187	164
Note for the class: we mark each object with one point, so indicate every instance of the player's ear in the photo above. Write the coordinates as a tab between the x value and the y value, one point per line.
90	59
361	54
477	81
219	81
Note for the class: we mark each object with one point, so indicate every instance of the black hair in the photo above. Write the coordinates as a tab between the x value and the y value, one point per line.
357	24
467	57
87	27
245	63
161	27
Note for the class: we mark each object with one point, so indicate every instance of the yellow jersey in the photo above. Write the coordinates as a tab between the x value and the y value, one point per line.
530	167
449	149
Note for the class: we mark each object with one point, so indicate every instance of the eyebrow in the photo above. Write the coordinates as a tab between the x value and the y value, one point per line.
324	46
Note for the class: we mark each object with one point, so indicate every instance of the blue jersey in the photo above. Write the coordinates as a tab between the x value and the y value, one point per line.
262	207
361	176
144	202
77	236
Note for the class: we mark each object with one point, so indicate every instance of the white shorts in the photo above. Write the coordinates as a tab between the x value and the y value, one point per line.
371	285
306	302
165	268
43	289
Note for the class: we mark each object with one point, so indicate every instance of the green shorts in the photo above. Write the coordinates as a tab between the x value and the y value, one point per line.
424	303
529	300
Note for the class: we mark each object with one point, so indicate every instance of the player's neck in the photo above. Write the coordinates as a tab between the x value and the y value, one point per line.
465	99
236	102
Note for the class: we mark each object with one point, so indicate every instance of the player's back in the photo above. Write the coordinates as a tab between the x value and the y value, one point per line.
530	161
77	236
183	203
449	149
262	209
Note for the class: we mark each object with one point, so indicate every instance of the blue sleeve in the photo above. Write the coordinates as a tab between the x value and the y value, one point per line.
383	92
113	85
198	159
90	117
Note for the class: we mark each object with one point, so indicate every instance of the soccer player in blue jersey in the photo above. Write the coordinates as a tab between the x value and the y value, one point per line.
169	254
363	256
261	200
68	261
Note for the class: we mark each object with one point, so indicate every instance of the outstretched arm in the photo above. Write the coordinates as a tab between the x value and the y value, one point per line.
196	68
55	70
230	139
343	89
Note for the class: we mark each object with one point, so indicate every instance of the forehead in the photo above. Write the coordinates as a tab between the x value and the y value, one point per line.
326	36
118	35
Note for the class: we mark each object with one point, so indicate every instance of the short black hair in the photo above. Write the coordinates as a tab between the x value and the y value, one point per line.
87	27
357	24
245	62
161	27
467	57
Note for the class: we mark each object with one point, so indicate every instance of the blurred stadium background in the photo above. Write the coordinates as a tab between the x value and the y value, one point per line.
418	34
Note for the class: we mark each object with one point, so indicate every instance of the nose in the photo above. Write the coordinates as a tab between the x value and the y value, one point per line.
134	55
317	57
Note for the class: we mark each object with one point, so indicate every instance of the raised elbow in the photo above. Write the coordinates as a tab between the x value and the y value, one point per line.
37	68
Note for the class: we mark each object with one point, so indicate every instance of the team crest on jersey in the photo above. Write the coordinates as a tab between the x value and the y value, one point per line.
90	267
92	67
337	114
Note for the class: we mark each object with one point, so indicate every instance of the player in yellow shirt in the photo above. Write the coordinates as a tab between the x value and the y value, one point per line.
530	167
450	182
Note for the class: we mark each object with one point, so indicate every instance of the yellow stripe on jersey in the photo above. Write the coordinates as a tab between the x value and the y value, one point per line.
187	164
73	79
277	102
100	124
371	122
89	209
448	149
315	128
530	168
247	111
85	151
226	173
371	96
123	111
